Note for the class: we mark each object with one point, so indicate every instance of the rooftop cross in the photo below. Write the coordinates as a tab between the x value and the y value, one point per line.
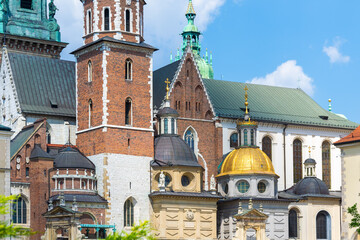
167	88
246	100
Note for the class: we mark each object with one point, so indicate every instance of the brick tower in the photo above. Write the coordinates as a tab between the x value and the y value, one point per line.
114	106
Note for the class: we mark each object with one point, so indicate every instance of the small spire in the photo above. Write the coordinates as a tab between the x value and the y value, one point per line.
211	58
250	204
329	104
190	9
309	151
261	209
207	56
167	89
246	100
240	209
171	57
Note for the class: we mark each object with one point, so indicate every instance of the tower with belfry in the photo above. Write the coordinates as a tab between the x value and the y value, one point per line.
114	106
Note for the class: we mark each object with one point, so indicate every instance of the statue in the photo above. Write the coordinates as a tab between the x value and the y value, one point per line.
240	210
161	184
85	173
212	183
77	171
52	9
57	172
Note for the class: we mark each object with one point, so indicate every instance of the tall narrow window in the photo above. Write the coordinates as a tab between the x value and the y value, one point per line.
297	160
90	113
326	164
293	224
267	146
27	4
128	112
128	70
141	25
252	137
19	211
27	172
128	213
127	20
89	71
234	138
106	19
323	225
189	139
173	126
245	137
166	126
88	22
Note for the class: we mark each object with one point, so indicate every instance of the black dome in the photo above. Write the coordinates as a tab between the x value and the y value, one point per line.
310	161
171	150
311	185
168	112
72	158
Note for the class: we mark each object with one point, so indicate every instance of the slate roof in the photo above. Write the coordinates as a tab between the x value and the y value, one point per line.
43	83
90	198
20	139
38	152
352	137
72	158
159	77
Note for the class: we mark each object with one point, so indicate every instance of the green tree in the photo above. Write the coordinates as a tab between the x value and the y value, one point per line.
141	231
9	229
355	221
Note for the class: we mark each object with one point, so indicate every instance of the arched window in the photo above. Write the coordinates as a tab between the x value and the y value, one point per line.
234	138
245	137
293	224
166	126
326	164
267	146
128	70
89	71
26	4
128	213
173	126
90	113
252	140
106	19
19	211
88	22
37	139
127	20
323	225
189	139
297	160
128	112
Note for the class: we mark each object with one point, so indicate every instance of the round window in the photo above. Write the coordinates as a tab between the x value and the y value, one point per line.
243	186
261	187
226	189
185	180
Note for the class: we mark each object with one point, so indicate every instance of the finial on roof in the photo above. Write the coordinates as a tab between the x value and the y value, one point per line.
309	151
246	100
329	104
211	58
190	8
250	204
167	88
171	57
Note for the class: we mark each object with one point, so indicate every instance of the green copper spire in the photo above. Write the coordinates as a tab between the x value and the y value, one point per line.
191	37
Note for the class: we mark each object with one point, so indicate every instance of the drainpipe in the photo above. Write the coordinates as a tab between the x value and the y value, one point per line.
284	137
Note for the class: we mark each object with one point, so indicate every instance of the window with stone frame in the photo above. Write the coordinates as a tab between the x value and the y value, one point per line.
90	71
128	112
128	69
128	213
19	211
234	140
90	113
322	225
297	160
88	22
127	20
267	146
293	224
326	163
106	19
190	139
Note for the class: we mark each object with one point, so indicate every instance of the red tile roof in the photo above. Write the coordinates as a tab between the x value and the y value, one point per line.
352	137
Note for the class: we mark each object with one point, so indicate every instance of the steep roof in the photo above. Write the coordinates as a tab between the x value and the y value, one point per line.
72	158
20	139
159	77
352	137
44	85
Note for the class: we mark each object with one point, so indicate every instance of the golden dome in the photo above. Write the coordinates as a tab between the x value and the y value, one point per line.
247	160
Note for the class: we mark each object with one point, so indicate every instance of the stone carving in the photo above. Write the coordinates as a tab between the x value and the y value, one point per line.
74	205
62	199
240	208
162	182
250	204
50	206
85	173
52	10
128	2
77	171
57	171
212	183
67	171
189	215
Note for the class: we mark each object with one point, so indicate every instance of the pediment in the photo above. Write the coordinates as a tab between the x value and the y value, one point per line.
252	214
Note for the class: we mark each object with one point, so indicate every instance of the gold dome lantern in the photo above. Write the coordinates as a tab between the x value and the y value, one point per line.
247	161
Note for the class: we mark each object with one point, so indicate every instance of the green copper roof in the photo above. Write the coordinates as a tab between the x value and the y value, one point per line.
190	9
20	139
205	68
272	104
3	128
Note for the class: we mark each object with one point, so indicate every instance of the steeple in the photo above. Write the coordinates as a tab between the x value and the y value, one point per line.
191	31
246	127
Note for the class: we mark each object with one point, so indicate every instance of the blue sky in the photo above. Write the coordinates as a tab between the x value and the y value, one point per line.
306	43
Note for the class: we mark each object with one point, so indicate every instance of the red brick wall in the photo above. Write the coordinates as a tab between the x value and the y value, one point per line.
115	140
189	90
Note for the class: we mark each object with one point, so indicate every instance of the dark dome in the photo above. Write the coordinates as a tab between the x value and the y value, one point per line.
167	111
72	158
171	150
310	161
311	185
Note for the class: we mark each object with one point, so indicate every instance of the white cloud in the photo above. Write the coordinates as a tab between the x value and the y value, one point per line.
164	21
288	74
333	52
